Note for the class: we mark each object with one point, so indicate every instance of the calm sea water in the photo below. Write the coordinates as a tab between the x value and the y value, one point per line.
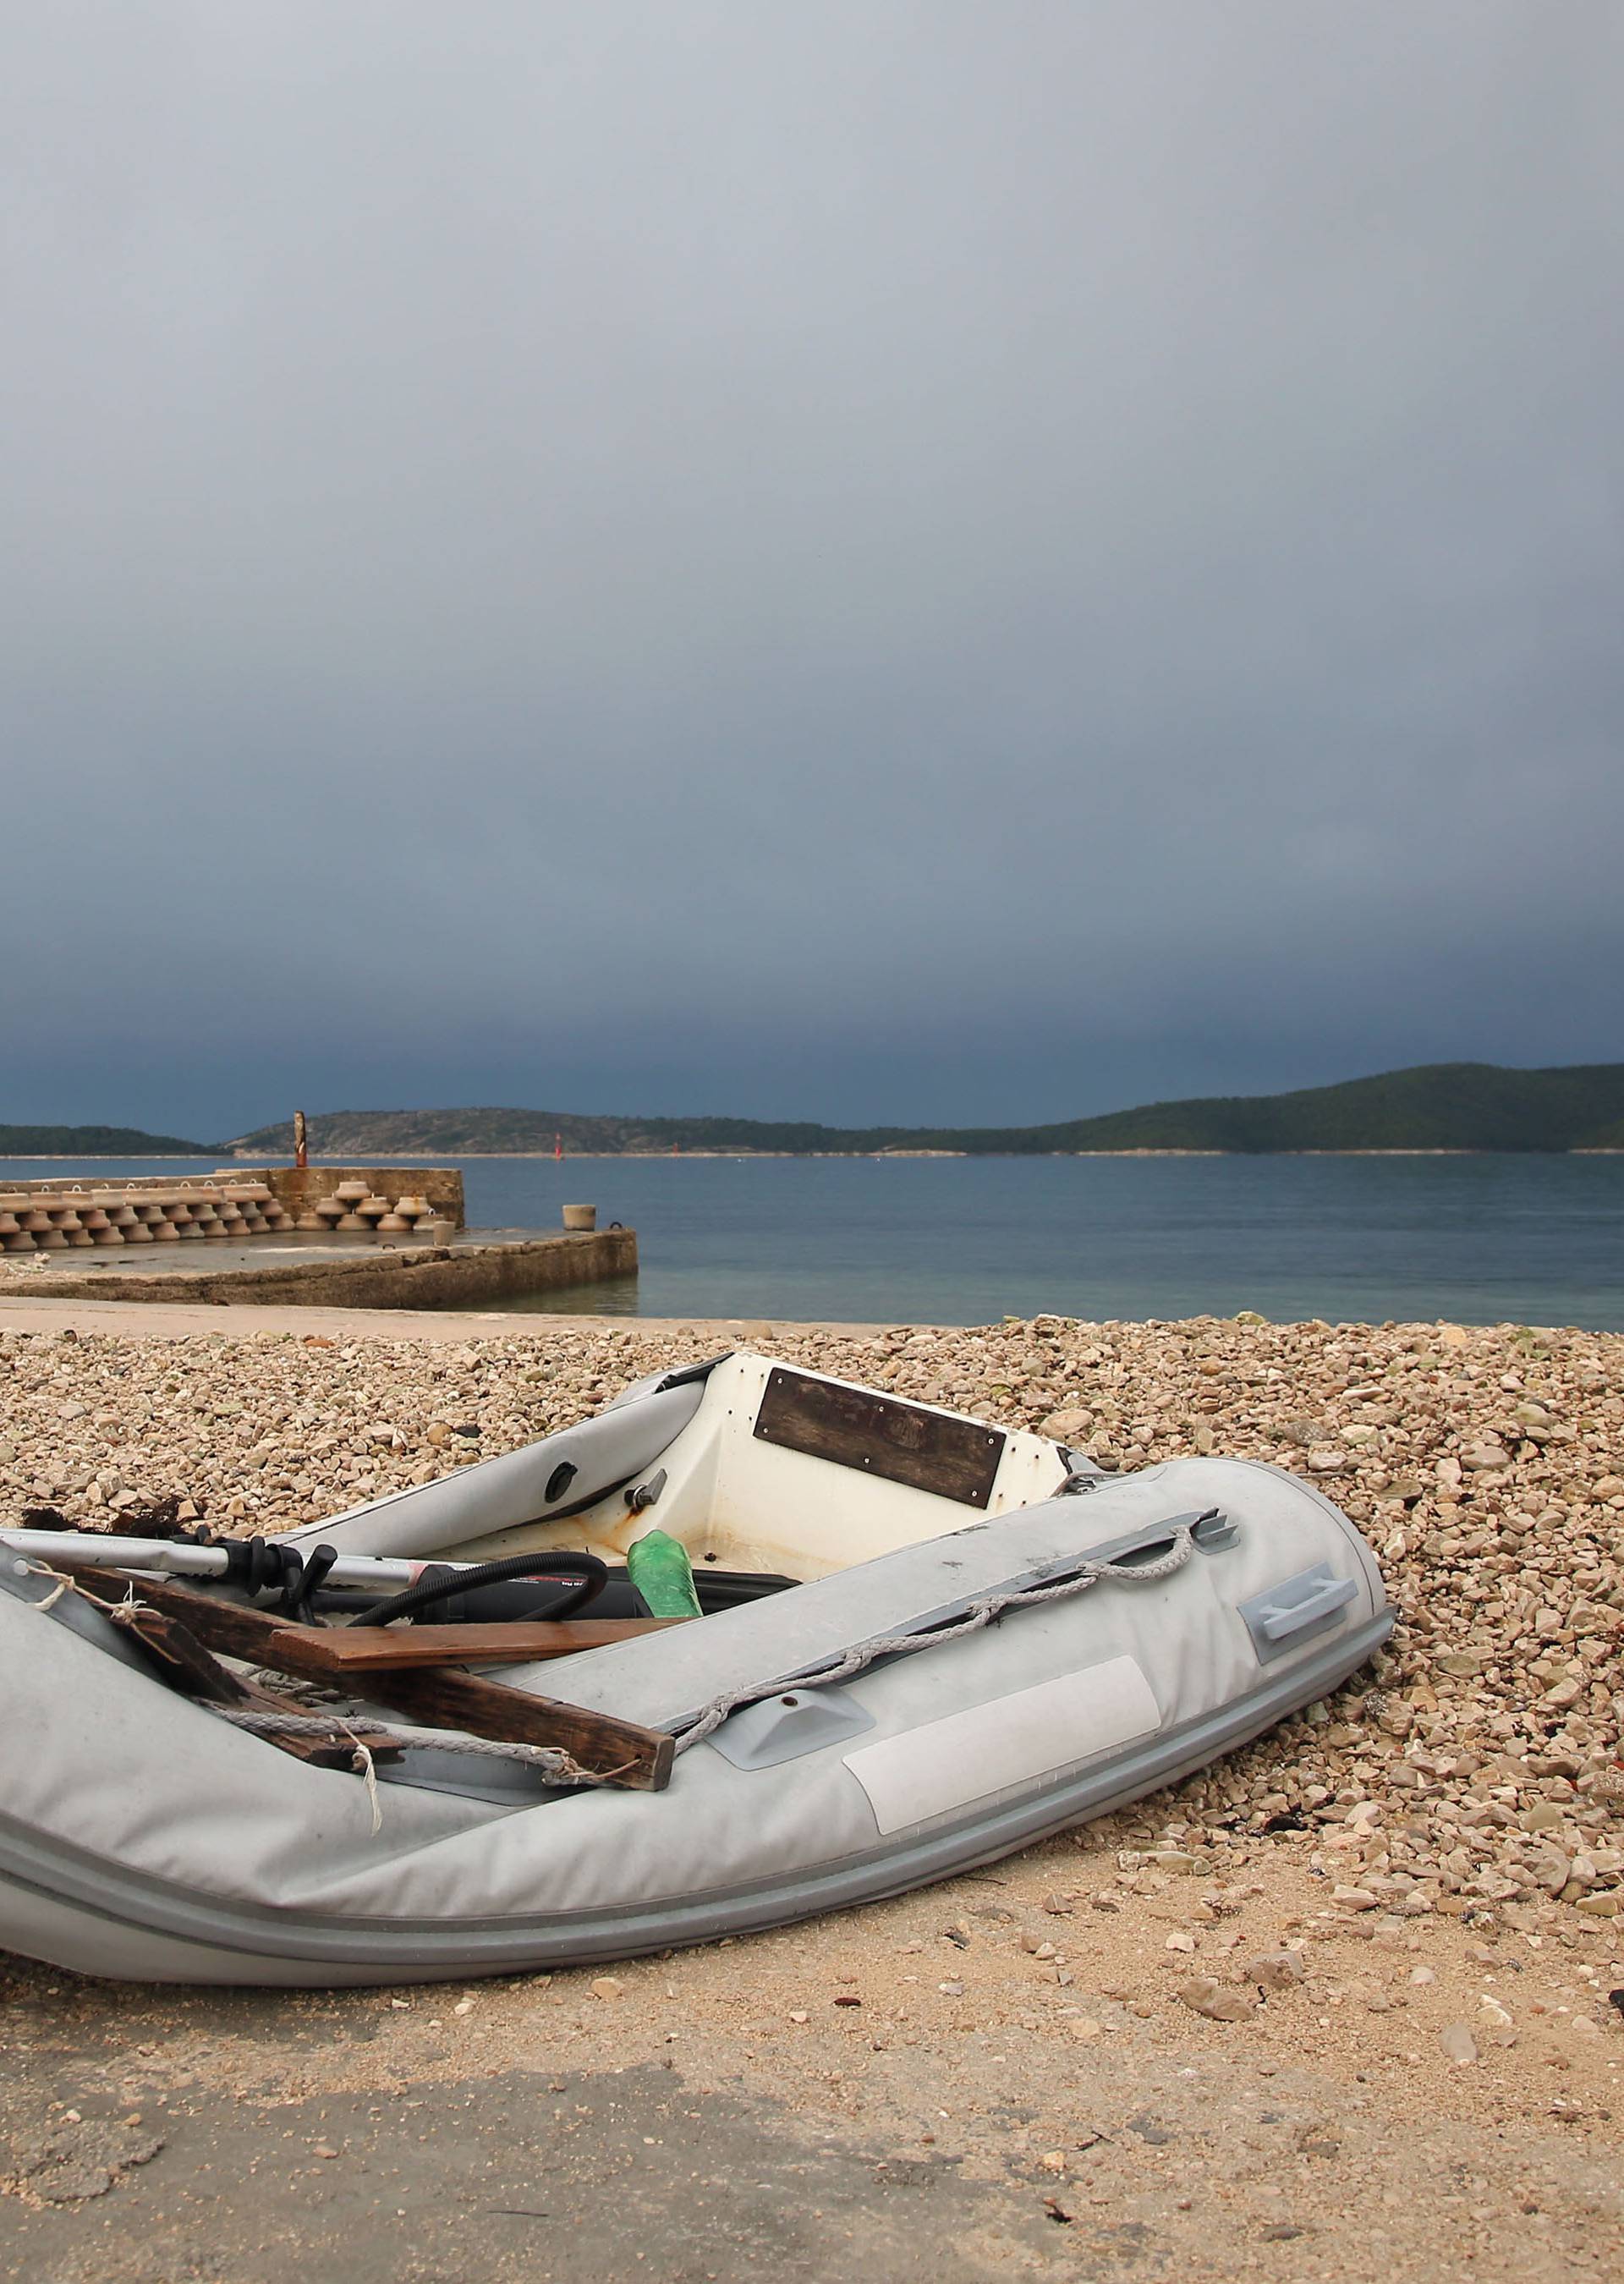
964	1240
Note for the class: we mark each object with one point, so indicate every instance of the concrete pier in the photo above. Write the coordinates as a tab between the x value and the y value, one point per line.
474	1272
343	1237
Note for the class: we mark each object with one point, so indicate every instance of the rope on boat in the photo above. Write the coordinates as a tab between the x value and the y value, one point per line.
64	1585
555	1766
366	1769
864	1654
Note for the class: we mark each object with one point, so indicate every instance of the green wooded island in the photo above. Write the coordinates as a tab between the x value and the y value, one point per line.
95	1142
1435	1106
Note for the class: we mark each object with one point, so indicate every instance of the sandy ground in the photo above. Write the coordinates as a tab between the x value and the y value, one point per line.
1000	2075
164	1320
981	2110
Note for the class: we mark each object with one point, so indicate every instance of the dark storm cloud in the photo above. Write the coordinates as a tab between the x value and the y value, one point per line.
876	559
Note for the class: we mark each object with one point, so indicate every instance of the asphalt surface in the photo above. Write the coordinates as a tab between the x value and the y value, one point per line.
515	2175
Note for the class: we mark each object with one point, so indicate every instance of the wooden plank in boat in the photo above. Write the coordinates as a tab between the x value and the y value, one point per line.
382	1649
877	1435
618	1752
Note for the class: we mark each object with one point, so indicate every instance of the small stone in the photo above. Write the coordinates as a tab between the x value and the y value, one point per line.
1355	1899
951	1989
1053	2160
608	1986
1276	1970
1181	1941
1217	2003
1459	2042
325	2150
799	2014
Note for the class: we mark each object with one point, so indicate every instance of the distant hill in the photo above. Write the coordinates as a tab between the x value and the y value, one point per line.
362	1135
96	1142
1437	1107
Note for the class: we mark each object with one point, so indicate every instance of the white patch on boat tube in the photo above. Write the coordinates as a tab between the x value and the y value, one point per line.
1009	1740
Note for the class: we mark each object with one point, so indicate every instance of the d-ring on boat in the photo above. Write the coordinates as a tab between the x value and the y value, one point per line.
467	1728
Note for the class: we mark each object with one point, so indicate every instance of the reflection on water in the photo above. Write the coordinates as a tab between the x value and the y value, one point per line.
616	1296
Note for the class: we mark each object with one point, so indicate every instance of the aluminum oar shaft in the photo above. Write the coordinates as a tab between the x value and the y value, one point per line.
178	1558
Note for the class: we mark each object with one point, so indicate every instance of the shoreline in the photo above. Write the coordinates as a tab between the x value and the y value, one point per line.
854	1157
22	1311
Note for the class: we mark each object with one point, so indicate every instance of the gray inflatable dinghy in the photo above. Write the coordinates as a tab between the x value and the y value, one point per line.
975	1639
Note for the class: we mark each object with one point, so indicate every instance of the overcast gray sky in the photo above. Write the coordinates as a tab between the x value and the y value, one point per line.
864	559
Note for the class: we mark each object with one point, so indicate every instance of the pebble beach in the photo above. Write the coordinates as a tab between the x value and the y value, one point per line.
1403	1907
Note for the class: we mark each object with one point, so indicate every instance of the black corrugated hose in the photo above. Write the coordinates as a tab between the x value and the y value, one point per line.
590	1575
